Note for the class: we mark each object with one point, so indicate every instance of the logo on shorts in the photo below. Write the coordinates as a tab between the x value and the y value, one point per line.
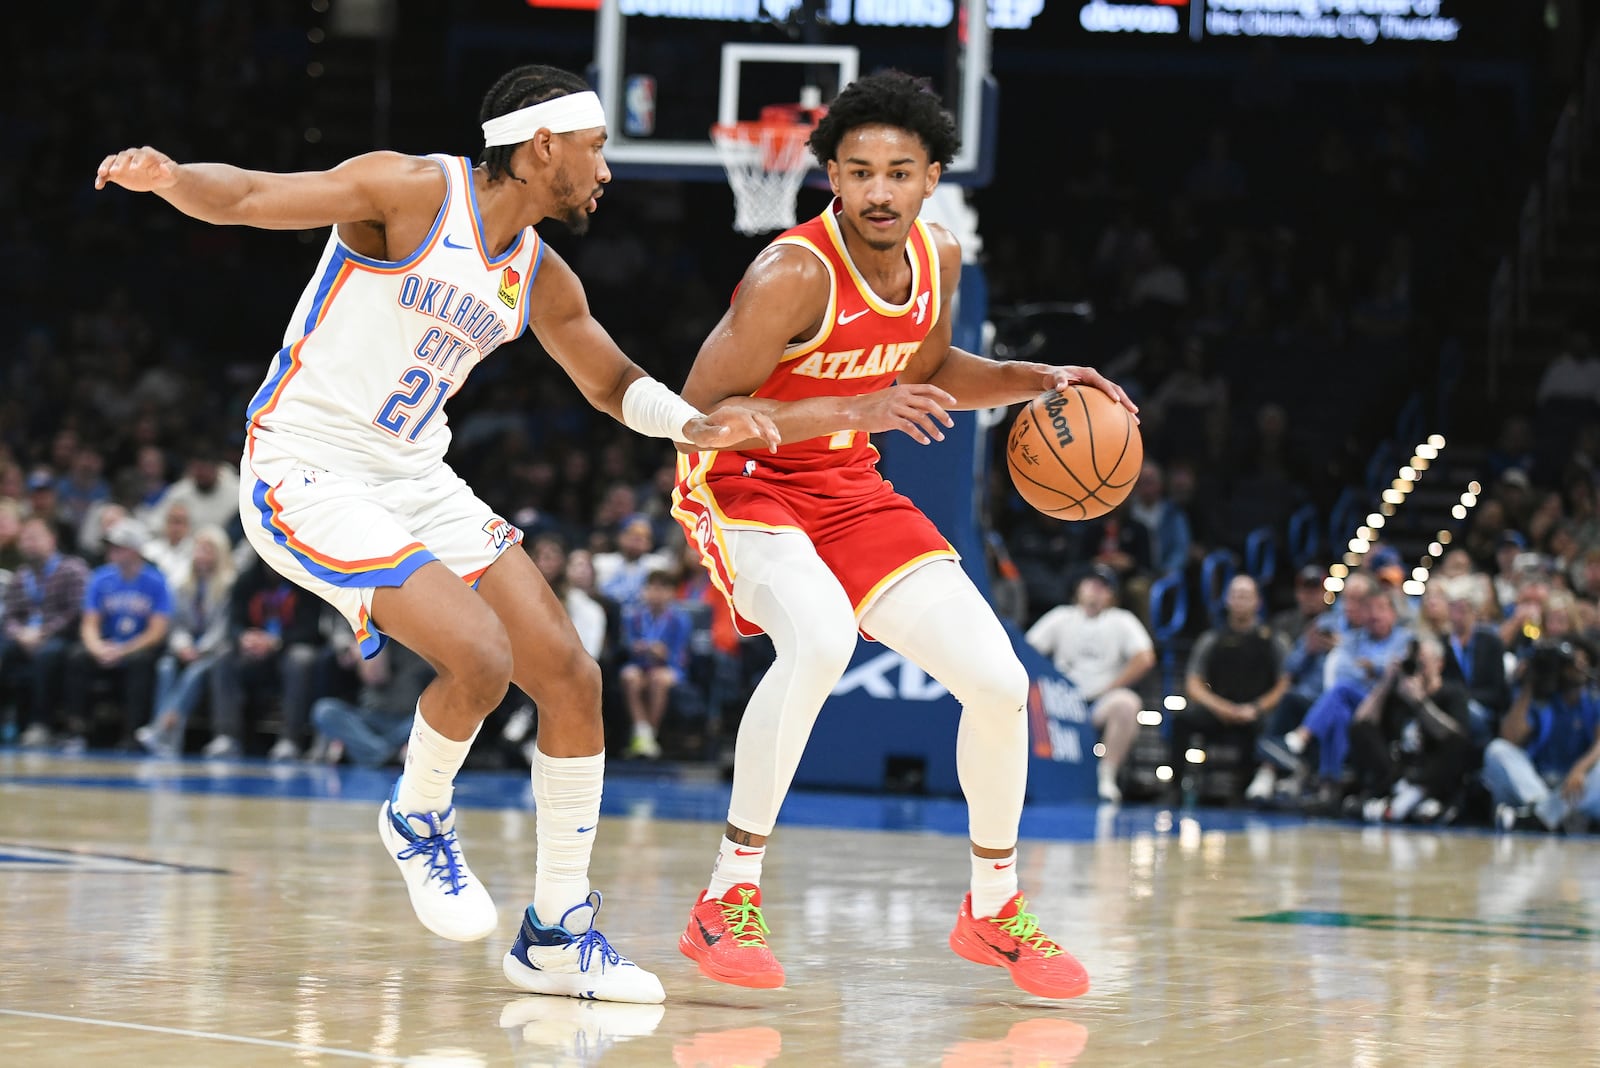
702	529
510	287
501	533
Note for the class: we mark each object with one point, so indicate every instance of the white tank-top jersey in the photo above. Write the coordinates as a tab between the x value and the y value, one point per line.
376	349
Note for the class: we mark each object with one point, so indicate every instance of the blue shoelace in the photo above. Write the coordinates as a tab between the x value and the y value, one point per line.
444	858
589	943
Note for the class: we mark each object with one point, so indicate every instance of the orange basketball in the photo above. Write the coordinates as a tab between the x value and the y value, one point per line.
1074	455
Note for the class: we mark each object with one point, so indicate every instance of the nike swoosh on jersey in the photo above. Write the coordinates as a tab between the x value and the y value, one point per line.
451	244
845	320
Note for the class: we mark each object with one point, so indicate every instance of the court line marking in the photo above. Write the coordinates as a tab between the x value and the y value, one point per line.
217	1036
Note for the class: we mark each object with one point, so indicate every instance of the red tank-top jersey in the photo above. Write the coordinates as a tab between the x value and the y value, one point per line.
863	345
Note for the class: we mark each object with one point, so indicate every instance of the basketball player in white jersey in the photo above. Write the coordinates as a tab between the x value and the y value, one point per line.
432	264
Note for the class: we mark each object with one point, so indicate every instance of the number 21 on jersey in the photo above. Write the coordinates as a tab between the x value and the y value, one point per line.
399	409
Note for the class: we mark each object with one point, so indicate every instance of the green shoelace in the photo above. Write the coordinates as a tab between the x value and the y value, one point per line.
1024	927
742	917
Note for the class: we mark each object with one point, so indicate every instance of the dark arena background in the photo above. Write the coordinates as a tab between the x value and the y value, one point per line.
1345	256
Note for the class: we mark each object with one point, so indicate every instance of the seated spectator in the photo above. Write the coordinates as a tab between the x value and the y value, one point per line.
199	638
1474	656
1411	741
210	489
82	487
1541	769
655	640
549	554
171	550
38	626
275	640
1104	651
373	730
1352	669
127	613
1234	680
620	574
1433	613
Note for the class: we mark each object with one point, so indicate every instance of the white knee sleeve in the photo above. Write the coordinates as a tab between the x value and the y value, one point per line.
936	618
782	586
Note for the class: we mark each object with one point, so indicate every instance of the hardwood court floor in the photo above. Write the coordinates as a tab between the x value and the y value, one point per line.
175	914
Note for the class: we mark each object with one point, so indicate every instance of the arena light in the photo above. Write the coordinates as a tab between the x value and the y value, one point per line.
1400	486
1469	498
1474	487
1445	536
1328	599
1408	473
1436	440
1175	702
1420	574
1435	549
1412	588
1367	534
1427	451
1459	511
1099	749
1338	571
1375	520
1149	717
1195	756
1163	774
1386	508
1393	496
1351	560
1419	462
1333	585
1427	561
1359	545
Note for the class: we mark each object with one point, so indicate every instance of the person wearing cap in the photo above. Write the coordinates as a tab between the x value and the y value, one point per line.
1104	651
127	609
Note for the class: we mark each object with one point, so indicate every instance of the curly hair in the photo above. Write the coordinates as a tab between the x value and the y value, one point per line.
888	98
517	89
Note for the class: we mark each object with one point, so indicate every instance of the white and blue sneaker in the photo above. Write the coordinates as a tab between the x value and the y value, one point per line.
447	897
551	959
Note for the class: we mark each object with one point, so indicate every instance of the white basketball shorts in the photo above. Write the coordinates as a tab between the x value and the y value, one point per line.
343	537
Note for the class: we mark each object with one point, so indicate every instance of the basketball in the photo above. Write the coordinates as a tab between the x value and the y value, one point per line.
1074	455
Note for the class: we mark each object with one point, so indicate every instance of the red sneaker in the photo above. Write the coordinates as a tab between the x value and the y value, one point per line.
1012	941
726	937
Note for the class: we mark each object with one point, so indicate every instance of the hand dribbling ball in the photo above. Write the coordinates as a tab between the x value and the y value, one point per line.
1074	454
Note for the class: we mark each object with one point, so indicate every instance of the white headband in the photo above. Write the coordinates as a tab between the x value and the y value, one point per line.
562	114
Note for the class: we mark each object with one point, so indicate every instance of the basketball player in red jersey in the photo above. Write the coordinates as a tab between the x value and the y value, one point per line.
839	329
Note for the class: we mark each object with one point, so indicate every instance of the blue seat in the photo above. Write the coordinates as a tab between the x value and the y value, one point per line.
1168	615
1261	555
1216	571
1304	541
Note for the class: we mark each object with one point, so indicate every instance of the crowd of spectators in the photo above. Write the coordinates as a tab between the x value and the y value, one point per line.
1218	262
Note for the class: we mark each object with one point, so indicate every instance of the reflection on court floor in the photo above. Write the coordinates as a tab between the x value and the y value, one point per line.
185	913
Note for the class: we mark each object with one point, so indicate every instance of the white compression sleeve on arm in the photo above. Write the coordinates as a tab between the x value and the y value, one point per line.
654	410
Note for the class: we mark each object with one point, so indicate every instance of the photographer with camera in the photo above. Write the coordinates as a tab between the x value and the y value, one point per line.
1541	770
1411	740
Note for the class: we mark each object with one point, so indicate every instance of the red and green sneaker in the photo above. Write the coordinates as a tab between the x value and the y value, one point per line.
1012	940
727	938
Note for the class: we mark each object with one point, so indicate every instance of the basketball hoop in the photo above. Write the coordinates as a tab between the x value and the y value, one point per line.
767	160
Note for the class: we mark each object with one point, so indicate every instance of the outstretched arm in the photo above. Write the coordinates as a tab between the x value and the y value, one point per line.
369	188
602	371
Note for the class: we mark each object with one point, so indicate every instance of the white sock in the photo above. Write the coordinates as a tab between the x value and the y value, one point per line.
428	783
566	801
994	882
735	864
644	732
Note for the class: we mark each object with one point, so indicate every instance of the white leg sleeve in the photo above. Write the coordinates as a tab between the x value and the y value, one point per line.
782	586
936	618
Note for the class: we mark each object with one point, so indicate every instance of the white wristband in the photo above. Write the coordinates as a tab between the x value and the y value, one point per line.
655	411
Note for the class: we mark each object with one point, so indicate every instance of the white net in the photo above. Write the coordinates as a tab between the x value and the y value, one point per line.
766	164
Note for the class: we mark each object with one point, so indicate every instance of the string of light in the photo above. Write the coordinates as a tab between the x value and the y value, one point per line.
1405	480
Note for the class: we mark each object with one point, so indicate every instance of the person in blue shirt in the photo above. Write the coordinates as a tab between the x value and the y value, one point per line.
655	638
127	607
1353	667
1543	767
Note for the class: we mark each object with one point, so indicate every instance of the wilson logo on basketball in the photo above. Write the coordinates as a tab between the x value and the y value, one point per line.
510	287
1055	406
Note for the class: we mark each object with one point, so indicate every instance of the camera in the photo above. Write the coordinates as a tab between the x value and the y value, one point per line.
1547	668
